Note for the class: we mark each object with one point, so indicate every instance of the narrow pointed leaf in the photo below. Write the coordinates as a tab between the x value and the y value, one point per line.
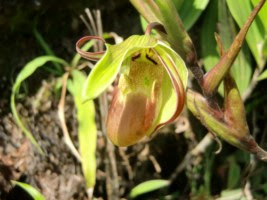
87	132
34	193
240	10
46	48
148	186
241	69
262	14
263	75
27	71
214	77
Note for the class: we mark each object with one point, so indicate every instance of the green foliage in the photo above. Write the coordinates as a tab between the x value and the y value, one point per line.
232	194
58	69
221	18
233	174
87	132
262	14
209	52
27	71
263	75
241	68
148	186
190	11
240	10
35	194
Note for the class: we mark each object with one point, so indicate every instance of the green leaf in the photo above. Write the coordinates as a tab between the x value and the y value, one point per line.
240	10
106	70
232	194
27	71
87	132
191	10
233	175
241	69
209	50
263	75
264	48
77	56
208	44
35	194
262	14
178	3
47	49
264	187
148	186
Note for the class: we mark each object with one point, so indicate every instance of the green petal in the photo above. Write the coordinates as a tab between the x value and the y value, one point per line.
179	62
170	98
106	70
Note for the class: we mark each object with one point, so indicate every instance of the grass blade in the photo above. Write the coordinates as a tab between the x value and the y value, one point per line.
34	193
47	49
27	71
148	186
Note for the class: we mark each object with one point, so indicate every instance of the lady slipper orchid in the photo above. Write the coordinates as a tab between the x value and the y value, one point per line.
150	91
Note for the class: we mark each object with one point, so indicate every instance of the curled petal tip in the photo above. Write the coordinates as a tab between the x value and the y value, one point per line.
94	56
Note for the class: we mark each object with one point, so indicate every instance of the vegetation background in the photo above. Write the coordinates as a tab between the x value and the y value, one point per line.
171	156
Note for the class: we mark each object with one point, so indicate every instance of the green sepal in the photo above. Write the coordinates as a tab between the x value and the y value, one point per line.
106	70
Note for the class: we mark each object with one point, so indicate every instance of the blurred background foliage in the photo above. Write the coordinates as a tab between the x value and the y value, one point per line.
161	167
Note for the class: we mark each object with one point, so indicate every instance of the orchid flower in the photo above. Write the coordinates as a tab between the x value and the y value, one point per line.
149	92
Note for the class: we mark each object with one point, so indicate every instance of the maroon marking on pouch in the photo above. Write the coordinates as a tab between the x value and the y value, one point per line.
135	57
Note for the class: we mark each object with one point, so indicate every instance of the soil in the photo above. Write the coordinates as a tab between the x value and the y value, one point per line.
58	174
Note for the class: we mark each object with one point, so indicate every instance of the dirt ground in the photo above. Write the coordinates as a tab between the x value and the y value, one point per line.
58	174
